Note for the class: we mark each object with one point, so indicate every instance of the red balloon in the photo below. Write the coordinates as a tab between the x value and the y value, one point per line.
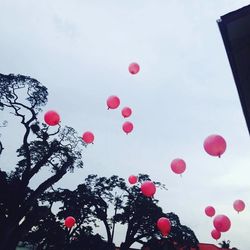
52	118
210	211
222	223
127	127
164	225
113	102
88	137
178	166
215	145
126	112
132	179
134	68
148	188
215	234
69	222
239	205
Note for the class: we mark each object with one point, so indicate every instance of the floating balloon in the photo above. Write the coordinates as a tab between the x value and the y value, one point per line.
132	179
127	127
164	225
69	222
215	234
215	145
178	166
222	223
88	137
52	118
239	205
148	188
210	211
134	68
113	102
126	112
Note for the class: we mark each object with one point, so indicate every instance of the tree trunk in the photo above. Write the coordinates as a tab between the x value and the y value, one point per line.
9	238
109	238
125	245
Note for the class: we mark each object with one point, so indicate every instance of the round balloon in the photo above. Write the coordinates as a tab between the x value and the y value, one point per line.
239	205
113	102
215	145
215	234
178	166
88	137
52	118
127	127
222	223
210	211
148	188
69	222
132	179
164	225
126	112
134	68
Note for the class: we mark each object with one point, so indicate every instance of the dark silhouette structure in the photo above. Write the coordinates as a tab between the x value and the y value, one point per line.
235	31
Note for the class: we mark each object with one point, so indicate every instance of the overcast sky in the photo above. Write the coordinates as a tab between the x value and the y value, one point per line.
184	92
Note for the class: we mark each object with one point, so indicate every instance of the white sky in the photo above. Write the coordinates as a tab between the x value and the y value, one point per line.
184	92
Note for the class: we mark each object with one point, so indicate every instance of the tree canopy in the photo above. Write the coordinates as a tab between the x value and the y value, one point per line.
57	150
111	201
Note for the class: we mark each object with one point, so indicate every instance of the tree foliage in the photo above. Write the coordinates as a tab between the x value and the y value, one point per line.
110	201
57	150
225	244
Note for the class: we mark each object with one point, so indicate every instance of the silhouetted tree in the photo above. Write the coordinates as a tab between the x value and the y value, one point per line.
4	123
140	214
88	203
225	244
55	149
95	199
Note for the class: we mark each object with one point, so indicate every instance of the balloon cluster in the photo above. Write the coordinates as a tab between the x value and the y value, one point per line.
52	118
221	222
113	102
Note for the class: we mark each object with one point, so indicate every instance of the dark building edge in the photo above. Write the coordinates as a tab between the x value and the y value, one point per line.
222	23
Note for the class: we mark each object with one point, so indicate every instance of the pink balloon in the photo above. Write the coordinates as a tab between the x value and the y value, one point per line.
215	145
88	137
148	188
113	102
52	118
215	234
127	127
126	112
222	223
164	225
132	179
178	166
210	211
134	68
69	222
239	205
